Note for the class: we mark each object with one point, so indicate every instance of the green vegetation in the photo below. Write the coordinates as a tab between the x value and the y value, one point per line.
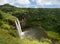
47	18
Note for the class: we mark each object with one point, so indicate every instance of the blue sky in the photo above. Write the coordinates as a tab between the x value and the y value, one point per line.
32	3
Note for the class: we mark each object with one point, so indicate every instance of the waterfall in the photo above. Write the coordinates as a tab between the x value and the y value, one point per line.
18	26
30	33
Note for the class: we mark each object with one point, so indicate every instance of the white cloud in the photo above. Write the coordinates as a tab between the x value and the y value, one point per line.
20	2
23	2
47	2
35	6
12	2
27	6
28	3
2	2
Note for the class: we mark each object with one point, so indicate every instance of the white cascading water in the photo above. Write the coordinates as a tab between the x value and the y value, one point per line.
21	34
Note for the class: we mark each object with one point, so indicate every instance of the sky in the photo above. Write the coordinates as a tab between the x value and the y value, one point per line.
32	3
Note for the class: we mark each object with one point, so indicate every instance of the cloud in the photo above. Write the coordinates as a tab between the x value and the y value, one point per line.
2	2
23	2
31	3
47	2
18	3
12	2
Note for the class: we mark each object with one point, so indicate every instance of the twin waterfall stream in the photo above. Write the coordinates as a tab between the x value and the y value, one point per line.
18	26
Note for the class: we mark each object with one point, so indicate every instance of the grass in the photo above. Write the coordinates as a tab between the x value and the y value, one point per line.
54	35
5	38
26	41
